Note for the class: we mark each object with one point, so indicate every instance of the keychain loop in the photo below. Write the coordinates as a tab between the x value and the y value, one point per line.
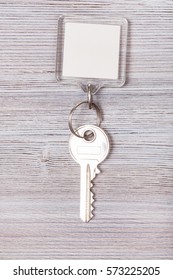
89	96
93	106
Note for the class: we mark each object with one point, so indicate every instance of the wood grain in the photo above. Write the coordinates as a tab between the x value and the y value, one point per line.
39	182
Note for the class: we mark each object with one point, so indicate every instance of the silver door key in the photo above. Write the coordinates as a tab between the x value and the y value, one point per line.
88	152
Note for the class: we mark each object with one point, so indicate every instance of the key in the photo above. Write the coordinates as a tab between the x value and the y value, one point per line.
89	152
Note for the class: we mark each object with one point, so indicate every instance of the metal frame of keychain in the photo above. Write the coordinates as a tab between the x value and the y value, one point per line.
92	65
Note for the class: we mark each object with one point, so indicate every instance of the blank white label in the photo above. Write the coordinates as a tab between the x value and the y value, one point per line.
91	50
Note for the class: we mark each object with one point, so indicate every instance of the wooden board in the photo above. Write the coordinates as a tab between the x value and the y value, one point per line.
39	182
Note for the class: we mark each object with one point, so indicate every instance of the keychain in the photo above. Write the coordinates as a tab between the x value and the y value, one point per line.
90	53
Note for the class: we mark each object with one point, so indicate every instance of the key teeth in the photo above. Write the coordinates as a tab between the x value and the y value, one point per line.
92	206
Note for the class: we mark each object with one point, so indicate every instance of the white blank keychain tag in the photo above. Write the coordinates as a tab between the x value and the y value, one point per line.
91	50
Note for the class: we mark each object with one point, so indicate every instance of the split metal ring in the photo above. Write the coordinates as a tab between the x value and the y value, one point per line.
93	106
89	96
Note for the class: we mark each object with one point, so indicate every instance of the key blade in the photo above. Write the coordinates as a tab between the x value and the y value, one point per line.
86	195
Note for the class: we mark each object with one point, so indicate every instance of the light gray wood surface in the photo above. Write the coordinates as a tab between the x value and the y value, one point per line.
39	182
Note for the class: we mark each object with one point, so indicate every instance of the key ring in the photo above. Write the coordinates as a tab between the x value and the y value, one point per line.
89	96
93	106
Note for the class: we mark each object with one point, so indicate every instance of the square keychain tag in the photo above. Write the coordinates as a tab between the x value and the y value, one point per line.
91	51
